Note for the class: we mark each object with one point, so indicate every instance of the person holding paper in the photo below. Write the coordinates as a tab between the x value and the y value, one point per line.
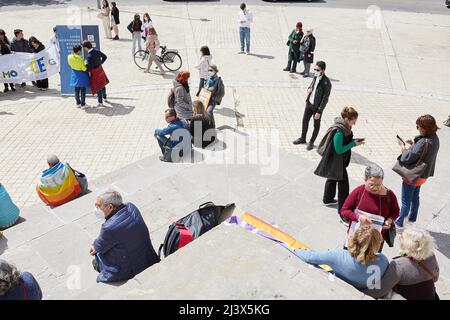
372	198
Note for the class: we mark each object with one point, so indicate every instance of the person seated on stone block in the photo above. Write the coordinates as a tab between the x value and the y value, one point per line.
9	212
15	285
413	274
360	265
201	126
178	136
60	183
123	249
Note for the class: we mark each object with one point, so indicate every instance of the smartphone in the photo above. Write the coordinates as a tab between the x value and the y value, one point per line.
361	139
398	137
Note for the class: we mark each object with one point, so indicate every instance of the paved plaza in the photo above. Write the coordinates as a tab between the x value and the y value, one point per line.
390	73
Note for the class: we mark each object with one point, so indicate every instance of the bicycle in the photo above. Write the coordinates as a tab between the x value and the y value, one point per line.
169	58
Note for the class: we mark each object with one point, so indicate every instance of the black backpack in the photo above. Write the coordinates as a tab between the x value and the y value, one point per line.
191	227
171	99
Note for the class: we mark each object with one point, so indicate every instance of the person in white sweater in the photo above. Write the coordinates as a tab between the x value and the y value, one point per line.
202	66
245	18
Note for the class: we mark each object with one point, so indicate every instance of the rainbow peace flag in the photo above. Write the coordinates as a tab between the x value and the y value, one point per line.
58	185
256	225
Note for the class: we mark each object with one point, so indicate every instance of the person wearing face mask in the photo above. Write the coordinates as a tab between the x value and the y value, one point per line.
374	198
335	149
123	249
316	101
308	56
294	42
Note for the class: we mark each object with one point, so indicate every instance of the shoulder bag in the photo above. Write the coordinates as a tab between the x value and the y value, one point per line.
414	171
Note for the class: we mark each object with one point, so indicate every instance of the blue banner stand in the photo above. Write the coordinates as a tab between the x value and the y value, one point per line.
69	36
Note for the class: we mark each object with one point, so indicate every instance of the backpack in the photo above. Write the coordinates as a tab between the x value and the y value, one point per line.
220	91
171	99
191	227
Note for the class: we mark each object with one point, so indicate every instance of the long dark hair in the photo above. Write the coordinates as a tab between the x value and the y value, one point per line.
205	51
146	15
33	39
136	21
105	4
3	33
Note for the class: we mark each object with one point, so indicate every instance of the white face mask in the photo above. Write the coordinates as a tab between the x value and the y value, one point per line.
317	73
99	213
211	73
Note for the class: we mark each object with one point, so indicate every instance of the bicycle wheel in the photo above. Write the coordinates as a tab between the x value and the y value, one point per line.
172	61
141	59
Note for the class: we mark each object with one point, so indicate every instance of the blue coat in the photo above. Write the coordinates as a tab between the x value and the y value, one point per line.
27	289
124	245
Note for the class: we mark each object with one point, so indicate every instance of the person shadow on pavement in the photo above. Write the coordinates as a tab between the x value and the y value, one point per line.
110	109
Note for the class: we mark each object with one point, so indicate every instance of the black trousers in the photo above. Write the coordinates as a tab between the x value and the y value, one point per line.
307	115
343	190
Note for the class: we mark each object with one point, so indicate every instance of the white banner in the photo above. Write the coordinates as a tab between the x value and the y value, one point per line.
19	67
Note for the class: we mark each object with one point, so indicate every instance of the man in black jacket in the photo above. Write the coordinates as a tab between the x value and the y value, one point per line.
316	101
19	44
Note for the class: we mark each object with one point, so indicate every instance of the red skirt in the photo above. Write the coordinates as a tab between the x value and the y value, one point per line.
99	80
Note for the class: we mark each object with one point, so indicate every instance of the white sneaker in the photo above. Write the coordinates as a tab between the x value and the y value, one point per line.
247	53
78	105
100	105
105	100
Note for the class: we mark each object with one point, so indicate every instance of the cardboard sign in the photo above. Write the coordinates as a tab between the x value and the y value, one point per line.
204	96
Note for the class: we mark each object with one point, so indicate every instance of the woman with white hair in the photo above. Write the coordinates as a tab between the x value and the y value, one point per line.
17	286
374	198
412	275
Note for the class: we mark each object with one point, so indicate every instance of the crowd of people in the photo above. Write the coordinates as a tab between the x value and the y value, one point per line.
124	233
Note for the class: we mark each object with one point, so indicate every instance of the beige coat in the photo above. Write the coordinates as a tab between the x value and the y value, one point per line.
152	43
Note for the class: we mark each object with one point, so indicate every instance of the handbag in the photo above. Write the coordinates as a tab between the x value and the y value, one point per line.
389	236
414	171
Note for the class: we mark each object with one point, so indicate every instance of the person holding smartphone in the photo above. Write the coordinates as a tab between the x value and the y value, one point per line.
335	149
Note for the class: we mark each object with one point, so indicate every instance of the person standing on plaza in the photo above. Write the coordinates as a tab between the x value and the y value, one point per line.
4	37
19	44
4	49
115	20
214	84
316	101
335	149
182	102
146	25
94	61
245	18
152	45
308	56
106	20
424	148
293	42
79	77
37	46
374	198
202	66
135	28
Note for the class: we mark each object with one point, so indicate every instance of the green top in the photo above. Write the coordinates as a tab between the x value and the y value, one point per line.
338	142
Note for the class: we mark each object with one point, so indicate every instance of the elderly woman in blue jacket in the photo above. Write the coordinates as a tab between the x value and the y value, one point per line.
357	264
79	77
123	249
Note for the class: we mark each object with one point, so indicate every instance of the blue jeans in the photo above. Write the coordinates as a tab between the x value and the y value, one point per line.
136	42
244	33
200	86
101	95
410	203
80	95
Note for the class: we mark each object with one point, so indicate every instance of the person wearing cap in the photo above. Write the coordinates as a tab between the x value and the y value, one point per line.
308	56
19	44
294	42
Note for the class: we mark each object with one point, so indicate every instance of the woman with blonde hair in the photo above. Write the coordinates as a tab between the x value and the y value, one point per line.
335	149
357	264
152	45
412	275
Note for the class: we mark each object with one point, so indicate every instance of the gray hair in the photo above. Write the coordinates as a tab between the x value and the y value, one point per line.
9	276
52	160
373	171
111	196
417	243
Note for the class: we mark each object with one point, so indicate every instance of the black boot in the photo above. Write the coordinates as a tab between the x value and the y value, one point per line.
288	67
294	67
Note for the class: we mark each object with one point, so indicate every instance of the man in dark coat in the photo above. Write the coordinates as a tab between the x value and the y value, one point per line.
309	53
19	44
123	249
294	40
316	101
94	61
